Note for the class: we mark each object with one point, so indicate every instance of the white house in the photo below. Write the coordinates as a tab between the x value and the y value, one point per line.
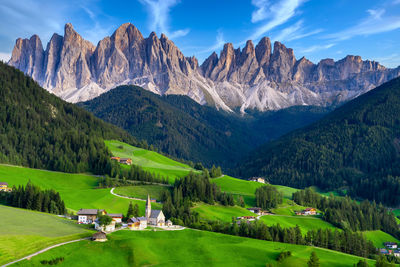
138	223
116	217
258	179
88	216
391	245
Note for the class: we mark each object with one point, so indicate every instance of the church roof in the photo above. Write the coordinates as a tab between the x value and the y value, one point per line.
154	213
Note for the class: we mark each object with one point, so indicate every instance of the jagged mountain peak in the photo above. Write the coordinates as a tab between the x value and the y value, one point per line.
254	76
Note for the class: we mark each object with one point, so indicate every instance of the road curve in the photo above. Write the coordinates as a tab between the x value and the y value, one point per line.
44	250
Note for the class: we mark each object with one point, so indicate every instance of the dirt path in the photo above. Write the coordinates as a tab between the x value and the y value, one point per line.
44	250
133	198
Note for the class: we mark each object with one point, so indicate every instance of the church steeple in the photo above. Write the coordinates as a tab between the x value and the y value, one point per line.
148	207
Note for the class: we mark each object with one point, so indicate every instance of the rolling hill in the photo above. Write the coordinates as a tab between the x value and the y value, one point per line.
23	232
356	147
170	248
182	128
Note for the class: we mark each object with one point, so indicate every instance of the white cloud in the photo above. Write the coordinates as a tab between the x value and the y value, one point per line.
95	32
5	56
275	14
315	48
219	43
159	17
376	22
294	32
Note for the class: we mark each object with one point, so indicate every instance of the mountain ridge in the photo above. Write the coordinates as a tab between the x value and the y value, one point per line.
255	77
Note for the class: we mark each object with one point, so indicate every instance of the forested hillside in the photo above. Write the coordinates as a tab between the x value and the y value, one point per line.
39	130
356	147
182	128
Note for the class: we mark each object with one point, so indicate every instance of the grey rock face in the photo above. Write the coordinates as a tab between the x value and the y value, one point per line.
255	77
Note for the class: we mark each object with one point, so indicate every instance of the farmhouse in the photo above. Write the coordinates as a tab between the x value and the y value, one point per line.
116	217
154	217
258	179
390	245
99	237
307	211
126	161
88	216
4	187
138	223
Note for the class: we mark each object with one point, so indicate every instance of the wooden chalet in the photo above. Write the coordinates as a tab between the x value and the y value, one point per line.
126	161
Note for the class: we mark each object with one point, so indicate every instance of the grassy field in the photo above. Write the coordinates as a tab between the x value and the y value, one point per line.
141	191
77	190
305	223
378	237
23	232
247	189
219	212
166	248
149	160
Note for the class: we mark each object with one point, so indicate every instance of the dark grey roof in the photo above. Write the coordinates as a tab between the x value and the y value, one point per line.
155	213
142	218
88	211
134	220
3	183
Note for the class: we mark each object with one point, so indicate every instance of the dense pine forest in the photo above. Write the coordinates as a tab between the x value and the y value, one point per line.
33	198
39	130
355	148
180	127
347	214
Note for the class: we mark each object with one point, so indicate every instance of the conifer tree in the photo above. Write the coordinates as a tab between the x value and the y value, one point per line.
314	260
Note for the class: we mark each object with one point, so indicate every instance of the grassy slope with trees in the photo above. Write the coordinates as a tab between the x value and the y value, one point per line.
356	147
149	160
39	130
170	248
23	232
182	128
77	190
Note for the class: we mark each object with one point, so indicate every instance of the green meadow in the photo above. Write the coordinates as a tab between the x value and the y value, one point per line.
149	160
77	190
141	191
219	212
306	223
247	189
378	238
23	232
171	248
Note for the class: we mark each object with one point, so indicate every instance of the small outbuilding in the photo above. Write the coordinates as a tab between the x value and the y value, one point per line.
168	223
99	237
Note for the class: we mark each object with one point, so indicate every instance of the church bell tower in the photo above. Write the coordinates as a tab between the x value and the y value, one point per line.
148	207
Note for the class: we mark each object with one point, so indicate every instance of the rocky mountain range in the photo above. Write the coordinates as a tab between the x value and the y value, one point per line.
255	77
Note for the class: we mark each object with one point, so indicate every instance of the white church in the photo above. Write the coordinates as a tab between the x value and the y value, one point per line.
151	218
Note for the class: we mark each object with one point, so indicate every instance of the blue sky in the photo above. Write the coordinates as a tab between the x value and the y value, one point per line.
315	29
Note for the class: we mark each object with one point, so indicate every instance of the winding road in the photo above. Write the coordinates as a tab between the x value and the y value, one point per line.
44	250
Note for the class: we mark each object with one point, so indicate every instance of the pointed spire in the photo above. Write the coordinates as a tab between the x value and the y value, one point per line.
148	207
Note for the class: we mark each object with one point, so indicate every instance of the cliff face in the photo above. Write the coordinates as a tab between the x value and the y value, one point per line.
253	77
